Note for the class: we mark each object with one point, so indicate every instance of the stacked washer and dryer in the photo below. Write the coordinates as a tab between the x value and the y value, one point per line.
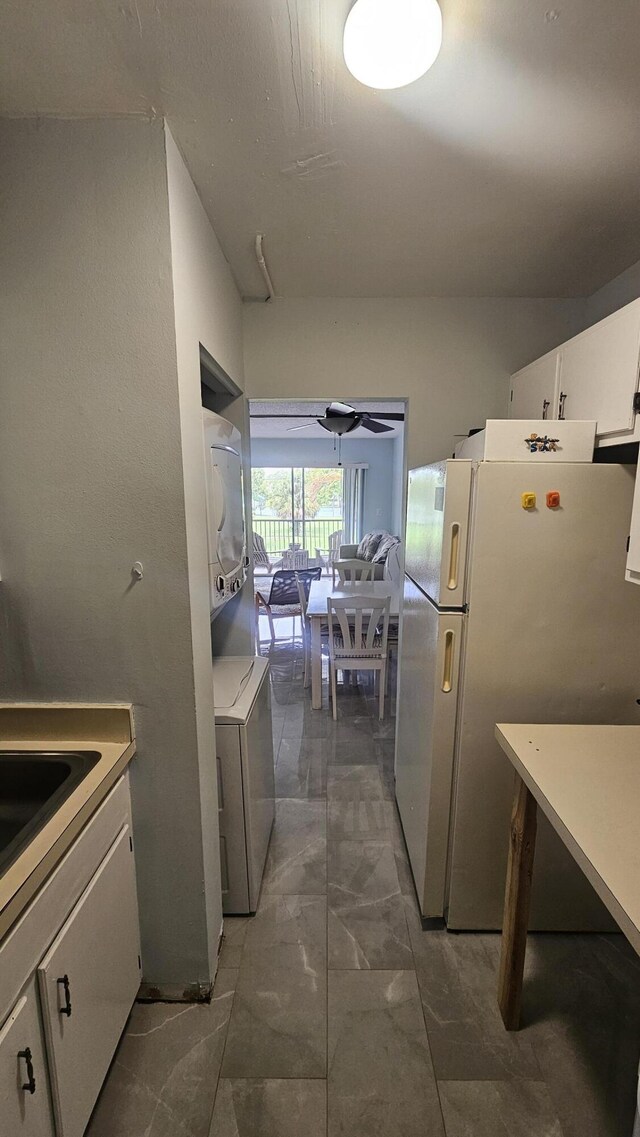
244	740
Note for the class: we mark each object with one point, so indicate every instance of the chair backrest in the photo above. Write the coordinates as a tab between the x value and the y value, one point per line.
364	570
335	541
284	584
295	559
363	623
260	553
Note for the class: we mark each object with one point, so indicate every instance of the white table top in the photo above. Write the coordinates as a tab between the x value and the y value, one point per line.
322	589
586	780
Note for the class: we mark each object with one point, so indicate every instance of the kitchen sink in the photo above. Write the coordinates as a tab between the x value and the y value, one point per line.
33	785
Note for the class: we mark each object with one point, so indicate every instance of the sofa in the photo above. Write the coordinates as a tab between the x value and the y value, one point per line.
388	566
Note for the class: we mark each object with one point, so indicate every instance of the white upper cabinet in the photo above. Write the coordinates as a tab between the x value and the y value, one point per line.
593	376
599	374
535	389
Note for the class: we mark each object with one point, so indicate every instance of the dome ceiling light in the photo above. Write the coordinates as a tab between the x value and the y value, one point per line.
391	43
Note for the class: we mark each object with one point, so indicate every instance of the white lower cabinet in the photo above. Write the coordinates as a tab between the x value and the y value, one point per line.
25	1108
88	981
69	975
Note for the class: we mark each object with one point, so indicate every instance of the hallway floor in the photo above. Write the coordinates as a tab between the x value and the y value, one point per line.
334	1013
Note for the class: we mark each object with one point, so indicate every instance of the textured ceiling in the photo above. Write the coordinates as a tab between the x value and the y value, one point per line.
510	169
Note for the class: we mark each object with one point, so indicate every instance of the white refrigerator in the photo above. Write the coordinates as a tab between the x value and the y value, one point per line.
511	614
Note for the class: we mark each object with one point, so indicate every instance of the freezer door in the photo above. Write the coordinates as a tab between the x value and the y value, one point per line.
426	721
437	526
551	637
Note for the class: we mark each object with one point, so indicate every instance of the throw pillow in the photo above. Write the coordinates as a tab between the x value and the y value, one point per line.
384	548
368	546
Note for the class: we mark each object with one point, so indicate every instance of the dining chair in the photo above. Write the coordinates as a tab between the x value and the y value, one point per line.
364	570
284	599
358	631
303	595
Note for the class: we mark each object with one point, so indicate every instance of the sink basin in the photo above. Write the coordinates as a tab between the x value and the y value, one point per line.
33	785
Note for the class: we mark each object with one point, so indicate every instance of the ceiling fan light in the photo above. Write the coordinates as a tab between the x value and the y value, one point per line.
391	43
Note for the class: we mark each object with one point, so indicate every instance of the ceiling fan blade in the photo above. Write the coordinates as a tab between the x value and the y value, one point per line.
375	426
339	409
305	426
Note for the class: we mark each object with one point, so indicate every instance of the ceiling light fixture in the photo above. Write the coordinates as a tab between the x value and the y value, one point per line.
390	43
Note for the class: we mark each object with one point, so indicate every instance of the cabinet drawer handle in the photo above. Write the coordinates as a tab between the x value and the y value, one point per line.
30	1084
64	983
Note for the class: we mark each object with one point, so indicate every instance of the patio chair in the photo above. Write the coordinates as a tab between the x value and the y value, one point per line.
284	600
295	559
358	630
335	541
260	554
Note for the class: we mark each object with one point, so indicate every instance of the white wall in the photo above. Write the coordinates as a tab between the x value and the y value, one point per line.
451	358
378	512
99	425
208	311
618	292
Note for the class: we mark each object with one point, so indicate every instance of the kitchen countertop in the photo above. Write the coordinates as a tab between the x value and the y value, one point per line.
586	779
32	726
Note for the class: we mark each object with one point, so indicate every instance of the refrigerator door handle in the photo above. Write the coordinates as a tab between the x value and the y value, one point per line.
454	550
449	654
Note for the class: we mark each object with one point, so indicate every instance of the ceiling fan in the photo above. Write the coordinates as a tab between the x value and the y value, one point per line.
340	418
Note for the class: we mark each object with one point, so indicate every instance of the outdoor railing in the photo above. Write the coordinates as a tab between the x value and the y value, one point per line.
311	534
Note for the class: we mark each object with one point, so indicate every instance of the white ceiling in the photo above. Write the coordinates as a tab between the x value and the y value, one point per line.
282	415
510	169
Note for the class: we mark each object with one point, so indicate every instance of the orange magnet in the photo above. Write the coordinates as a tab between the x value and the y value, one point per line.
528	500
553	499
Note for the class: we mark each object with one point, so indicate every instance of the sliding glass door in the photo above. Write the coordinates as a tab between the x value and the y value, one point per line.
297	506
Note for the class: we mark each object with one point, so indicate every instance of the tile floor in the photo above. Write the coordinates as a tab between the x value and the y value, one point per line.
334	1013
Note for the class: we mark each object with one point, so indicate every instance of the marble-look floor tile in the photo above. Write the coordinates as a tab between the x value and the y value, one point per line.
260	1107
230	955
287	920
458	987
278	1022
366	921
516	1108
352	748
301	769
380	1079
163	1078
581	1008
354	783
296	861
359	820
405	876
302	722
235	929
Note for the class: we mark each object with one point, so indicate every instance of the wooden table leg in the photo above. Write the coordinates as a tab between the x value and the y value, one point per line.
516	904
316	664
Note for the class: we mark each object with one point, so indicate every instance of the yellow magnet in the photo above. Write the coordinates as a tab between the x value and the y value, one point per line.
528	500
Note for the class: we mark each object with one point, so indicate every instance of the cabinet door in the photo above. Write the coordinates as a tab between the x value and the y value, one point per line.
599	374
88	982
534	390
25	1107
233	845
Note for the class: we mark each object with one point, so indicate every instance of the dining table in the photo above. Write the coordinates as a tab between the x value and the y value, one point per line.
319	594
